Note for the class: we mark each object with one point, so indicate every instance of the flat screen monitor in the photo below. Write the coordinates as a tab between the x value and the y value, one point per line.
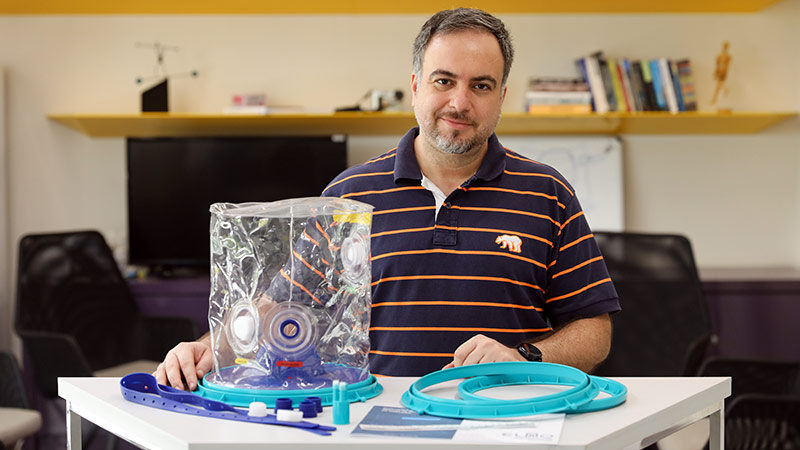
173	181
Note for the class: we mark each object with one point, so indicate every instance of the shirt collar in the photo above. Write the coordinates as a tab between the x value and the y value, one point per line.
406	166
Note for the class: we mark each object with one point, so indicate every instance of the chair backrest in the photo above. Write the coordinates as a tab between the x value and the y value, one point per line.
751	376
12	389
69	283
24	421
664	326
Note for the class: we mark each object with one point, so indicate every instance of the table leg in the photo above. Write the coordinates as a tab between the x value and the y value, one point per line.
716	425
74	438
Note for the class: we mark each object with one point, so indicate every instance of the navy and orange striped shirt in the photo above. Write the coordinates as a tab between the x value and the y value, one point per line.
510	255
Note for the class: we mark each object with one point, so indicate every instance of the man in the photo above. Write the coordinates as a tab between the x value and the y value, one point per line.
478	254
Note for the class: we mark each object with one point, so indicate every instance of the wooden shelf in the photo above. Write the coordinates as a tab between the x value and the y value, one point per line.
179	124
373	7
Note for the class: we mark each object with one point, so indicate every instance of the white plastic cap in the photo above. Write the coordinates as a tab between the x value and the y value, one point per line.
285	415
244	327
257	409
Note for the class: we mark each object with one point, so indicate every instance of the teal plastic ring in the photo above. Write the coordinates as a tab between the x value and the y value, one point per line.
582	391
617	391
356	392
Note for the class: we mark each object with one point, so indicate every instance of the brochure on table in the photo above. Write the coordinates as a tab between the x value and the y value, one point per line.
393	421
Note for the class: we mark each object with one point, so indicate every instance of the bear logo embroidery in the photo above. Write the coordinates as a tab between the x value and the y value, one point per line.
512	243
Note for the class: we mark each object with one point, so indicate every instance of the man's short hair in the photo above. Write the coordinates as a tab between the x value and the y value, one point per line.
463	19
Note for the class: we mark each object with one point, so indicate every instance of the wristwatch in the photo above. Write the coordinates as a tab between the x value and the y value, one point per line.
530	352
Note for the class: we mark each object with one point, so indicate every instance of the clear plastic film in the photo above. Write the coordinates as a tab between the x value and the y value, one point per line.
290	293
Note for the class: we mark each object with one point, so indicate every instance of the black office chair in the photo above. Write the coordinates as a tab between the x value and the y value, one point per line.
19	421
763	411
76	315
750	376
664	327
762	421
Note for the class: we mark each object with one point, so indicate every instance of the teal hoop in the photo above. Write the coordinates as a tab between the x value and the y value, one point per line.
617	391
582	391
356	392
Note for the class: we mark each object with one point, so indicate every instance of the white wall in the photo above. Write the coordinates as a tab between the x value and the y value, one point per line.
737	198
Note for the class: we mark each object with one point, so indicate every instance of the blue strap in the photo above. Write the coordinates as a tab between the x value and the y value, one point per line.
142	388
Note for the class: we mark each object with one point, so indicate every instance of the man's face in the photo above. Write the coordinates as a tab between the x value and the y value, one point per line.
457	96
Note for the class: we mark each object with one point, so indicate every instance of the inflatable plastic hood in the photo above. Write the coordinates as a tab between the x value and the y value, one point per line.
290	293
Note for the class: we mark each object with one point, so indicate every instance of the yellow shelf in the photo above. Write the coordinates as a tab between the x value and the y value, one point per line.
375	7
355	123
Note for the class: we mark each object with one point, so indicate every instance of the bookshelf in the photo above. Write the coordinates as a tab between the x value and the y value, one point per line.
372	7
612	123
356	123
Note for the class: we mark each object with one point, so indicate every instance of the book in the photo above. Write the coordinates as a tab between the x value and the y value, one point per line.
658	87
616	82
580	64
557	84
608	85
666	85
549	98
646	94
687	84
673	68
560	108
626	85
630	88
595	82
558	95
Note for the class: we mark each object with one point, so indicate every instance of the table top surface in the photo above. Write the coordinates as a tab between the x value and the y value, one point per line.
653	405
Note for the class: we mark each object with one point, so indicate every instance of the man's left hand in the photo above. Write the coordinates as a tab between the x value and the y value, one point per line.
481	349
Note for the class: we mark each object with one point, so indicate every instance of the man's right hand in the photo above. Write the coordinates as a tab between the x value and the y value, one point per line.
187	361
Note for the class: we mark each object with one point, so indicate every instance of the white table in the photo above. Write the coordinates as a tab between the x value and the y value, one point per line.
656	407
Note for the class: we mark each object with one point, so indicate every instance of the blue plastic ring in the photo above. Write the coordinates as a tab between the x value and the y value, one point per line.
289	322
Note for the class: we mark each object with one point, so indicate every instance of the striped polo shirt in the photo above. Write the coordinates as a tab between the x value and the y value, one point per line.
509	255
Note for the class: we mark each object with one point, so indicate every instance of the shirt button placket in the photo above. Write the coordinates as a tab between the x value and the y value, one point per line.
446	236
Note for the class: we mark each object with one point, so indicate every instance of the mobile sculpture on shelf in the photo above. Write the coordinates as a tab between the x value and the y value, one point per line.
156	97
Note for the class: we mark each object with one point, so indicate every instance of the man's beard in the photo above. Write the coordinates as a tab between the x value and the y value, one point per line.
450	142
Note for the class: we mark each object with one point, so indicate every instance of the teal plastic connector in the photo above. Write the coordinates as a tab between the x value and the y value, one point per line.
341	403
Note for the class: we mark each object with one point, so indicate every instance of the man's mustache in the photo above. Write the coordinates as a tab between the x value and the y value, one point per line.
457	116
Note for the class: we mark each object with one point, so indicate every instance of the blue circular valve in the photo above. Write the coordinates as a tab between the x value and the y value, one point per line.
289	328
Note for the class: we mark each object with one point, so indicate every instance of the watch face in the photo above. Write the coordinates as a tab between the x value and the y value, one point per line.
530	352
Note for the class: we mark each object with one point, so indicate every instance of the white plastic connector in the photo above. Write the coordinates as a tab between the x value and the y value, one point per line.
285	415
257	409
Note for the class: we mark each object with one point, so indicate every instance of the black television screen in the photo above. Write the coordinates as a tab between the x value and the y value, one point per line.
173	181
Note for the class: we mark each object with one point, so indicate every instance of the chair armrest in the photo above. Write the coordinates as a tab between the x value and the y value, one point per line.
161	333
53	355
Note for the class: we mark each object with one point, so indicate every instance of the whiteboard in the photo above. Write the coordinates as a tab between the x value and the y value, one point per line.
593	165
